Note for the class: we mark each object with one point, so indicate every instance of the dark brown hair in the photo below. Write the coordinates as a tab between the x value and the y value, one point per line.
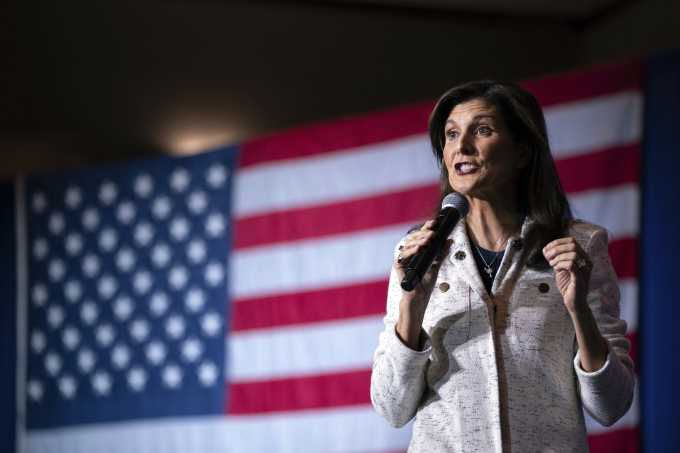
539	193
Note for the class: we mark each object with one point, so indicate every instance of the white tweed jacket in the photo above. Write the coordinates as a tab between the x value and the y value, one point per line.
502	372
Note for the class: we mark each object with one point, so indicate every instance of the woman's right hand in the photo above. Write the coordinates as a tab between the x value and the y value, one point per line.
413	304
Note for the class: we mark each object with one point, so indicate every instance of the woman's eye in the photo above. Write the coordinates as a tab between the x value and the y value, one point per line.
484	130
451	135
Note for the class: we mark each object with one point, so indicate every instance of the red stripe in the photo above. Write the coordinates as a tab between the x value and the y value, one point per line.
310	392
620	441
607	168
338	135
411	205
632	336
583	84
624	255
313	306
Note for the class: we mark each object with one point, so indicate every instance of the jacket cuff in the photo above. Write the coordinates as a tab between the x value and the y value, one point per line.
604	374
405	356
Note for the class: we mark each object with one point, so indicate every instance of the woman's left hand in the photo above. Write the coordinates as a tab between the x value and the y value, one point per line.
572	271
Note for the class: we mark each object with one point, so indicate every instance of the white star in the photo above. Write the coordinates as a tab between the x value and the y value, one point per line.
143	185
214	273
179	180
215	225
89	312
120	356
195	300
136	378
175	326
35	390
197	202
179	228
126	211
172	376
196	251
101	383
161	207
39	202
74	243
123	307
38	341
108	239
139	330
40	248
55	316
39	294
91	218
207	373
142	281
86	360
70	337
143	233
211	324
67	386
53	363
156	352
178	277
56	269
161	254
57	223
216	175
107	286
105	334
91	265
125	259
108	192
73	198
192	349
73	290
159	303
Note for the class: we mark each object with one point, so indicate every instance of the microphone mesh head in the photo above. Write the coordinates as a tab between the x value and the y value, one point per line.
458	202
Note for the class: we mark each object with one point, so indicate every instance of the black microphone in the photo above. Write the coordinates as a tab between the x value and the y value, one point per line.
454	207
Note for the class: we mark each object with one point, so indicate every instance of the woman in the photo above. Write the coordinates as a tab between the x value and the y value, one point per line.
516	325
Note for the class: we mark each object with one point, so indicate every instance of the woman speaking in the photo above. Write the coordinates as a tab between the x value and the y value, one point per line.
515	327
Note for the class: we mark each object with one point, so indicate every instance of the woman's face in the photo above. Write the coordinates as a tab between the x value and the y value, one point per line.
480	153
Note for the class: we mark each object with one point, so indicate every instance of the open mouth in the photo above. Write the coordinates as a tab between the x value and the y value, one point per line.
463	168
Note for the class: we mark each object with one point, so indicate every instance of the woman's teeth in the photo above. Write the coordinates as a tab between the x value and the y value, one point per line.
466	167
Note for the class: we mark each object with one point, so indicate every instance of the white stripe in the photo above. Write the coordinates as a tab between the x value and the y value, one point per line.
357	429
594	124
359	172
630	420
616	209
314	263
22	309
318	348
629	303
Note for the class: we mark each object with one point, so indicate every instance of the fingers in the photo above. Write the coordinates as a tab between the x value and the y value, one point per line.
567	254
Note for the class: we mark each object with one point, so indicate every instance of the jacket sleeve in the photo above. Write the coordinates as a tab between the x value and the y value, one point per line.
398	378
607	393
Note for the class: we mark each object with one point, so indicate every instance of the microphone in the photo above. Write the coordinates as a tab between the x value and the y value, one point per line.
454	207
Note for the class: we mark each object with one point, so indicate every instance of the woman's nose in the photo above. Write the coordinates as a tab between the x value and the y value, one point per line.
464	145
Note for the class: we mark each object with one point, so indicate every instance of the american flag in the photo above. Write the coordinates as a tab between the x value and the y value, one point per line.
133	286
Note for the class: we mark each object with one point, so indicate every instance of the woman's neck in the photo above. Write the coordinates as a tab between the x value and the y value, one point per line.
491	224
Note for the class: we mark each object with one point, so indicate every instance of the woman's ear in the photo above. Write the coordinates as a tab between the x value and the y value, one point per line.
524	155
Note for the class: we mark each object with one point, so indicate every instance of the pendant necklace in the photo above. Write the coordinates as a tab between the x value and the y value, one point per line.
487	266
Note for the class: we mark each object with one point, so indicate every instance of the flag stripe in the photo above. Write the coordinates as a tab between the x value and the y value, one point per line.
629	302
309	307
339	134
338	218
344	430
624	255
309	392
315	391
313	349
608	168
594	124
578	85
625	440
617	208
364	256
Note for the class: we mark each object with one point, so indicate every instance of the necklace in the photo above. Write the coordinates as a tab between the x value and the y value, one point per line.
487	266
